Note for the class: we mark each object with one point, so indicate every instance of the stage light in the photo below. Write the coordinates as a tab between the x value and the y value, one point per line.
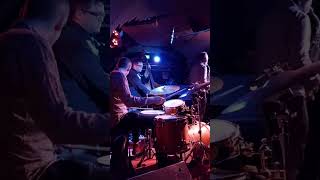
115	42
147	56
115	33
156	59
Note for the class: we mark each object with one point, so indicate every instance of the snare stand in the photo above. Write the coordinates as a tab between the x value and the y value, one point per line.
148	152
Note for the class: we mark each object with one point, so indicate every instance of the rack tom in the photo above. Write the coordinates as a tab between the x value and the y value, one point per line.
174	106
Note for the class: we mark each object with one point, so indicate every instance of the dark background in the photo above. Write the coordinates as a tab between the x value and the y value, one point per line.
233	27
233	30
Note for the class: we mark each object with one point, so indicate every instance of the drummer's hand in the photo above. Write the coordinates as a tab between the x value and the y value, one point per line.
158	100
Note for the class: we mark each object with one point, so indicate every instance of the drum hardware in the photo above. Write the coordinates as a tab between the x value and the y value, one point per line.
148	152
198	87
265	153
279	119
200	151
269	168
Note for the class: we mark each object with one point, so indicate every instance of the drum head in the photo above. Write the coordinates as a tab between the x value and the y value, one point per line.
173	103
221	130
152	112
167	118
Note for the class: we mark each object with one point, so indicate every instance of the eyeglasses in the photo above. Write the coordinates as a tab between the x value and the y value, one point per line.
96	14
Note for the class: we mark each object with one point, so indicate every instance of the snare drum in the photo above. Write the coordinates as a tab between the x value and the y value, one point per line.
225	138
171	133
152	112
174	106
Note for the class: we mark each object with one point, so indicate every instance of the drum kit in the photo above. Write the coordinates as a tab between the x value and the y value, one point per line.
178	128
179	131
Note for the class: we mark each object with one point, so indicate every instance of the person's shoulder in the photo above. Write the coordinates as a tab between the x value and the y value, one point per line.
116	73
72	35
22	38
17	34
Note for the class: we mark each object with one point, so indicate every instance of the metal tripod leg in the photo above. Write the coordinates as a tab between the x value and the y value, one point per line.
148	153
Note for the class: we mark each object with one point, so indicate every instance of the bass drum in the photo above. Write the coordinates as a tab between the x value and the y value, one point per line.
194	136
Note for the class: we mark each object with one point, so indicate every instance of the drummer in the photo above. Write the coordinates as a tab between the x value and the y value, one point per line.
137	81
121	99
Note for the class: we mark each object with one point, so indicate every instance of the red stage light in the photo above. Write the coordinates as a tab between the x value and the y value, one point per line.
115	42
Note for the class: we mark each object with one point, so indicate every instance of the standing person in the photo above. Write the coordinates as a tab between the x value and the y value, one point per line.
33	108
200	70
199	74
285	37
83	79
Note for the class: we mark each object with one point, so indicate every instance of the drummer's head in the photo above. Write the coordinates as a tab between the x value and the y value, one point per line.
124	65
137	64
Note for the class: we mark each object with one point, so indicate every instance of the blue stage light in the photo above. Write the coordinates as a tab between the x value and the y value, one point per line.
156	59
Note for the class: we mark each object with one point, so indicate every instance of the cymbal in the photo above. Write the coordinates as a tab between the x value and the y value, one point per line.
251	99
163	90
237	106
216	84
104	160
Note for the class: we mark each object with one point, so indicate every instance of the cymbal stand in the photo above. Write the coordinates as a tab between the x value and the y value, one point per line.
199	150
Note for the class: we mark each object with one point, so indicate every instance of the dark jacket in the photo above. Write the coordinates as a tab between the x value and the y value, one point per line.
84	81
137	88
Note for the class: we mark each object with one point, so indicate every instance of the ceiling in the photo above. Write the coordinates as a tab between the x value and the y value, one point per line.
190	20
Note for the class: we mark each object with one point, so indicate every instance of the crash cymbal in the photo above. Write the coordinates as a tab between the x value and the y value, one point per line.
237	106
164	90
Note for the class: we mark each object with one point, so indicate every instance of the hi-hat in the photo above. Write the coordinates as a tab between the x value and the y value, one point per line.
163	90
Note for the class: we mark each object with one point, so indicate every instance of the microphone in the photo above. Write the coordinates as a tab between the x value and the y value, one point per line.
172	36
